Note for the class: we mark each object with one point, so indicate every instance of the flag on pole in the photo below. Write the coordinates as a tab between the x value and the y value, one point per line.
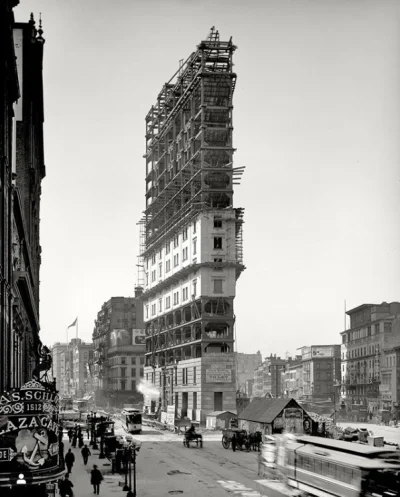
73	324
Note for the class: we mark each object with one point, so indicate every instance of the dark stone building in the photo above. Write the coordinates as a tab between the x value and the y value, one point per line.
22	170
119	351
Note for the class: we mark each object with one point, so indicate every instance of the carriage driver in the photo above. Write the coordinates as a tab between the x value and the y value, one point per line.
191	431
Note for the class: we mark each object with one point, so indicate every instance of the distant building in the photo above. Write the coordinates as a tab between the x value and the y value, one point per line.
58	355
258	385
119	343
292	378
245	365
249	387
81	354
321	372
272	376
369	356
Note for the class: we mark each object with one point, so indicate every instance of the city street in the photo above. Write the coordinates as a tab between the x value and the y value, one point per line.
166	467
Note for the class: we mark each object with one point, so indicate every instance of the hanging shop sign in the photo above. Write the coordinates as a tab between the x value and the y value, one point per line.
29	434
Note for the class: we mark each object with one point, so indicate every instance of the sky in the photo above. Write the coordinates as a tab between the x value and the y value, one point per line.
316	125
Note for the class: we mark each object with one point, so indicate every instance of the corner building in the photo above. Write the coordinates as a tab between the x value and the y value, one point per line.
192	243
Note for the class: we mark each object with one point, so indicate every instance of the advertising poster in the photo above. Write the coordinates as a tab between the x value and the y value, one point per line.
29	434
139	337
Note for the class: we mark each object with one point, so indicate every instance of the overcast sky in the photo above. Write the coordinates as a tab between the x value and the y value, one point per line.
317	125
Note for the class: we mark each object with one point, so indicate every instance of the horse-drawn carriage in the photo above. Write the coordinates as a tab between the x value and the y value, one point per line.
242	439
192	437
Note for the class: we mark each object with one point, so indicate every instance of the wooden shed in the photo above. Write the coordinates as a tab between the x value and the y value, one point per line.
274	416
219	419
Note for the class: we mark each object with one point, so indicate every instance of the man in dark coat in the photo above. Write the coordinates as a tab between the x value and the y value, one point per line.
234	442
85	454
66	487
95	479
70	434
69	460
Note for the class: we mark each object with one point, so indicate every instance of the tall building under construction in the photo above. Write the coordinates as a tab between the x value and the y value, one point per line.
192	236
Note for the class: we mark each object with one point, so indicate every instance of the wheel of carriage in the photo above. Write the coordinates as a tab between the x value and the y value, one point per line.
226	443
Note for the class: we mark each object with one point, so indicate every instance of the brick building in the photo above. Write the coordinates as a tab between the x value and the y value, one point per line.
119	347
292	378
369	358
245	365
321	372
22	170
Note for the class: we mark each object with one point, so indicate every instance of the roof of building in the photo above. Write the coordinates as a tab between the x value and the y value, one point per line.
218	413
264	410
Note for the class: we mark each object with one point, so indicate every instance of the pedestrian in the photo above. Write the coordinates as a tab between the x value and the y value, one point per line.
85	454
69	460
95	479
61	452
234	442
65	487
88	432
74	439
70	433
80	440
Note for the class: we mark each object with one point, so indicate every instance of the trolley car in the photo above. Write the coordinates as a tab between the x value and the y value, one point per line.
327	468
132	420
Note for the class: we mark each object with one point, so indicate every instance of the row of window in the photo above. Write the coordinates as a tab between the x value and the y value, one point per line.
151	377
366	332
217	245
218	288
124	372
122	360
123	384
361	351
331	470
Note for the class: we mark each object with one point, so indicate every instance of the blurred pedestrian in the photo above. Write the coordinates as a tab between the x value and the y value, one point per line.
65	487
234	442
70	434
85	454
74	439
95	479
69	460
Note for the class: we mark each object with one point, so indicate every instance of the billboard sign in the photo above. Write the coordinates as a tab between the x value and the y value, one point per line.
139	337
322	352
218	375
29	434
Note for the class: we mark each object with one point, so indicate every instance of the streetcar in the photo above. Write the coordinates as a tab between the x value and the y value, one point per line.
132	420
327	468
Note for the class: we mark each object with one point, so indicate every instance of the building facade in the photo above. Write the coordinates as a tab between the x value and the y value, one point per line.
192	250
321	372
292	378
119	346
80	355
22	170
272	376
258	385
369	376
58	365
245	365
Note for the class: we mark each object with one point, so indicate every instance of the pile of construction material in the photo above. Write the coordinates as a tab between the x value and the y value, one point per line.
332	430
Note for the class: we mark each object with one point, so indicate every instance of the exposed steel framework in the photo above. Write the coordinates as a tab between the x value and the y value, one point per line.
189	148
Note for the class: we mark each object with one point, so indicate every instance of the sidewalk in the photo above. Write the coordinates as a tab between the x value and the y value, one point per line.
80	475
